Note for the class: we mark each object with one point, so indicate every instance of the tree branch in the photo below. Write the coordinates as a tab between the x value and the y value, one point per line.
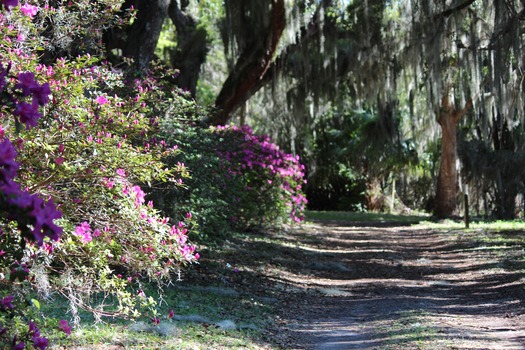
250	68
451	10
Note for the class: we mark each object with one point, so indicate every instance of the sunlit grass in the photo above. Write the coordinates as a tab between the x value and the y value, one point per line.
495	226
178	336
199	313
411	331
205	317
365	216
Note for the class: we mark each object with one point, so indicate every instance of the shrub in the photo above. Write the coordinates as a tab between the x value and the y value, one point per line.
237	179
87	151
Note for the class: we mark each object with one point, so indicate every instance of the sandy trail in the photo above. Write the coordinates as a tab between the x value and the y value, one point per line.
365	287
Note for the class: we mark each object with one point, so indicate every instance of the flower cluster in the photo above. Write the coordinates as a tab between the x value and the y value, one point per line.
27	96
31	332
268	166
97	145
238	179
33	215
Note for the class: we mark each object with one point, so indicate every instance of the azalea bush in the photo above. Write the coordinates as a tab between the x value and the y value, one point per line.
28	218
238	179
77	155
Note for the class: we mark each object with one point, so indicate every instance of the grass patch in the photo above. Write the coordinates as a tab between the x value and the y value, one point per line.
365	217
492	226
219	304
215	317
410	331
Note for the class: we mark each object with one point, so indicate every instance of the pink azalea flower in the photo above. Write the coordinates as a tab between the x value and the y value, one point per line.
63	325
102	100
29	10
84	231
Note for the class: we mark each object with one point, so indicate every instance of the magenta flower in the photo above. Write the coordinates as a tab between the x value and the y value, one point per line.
84	232
7	303
40	343
139	196
29	10
7	4
102	100
108	183
26	83
28	113
171	314
48	248
64	326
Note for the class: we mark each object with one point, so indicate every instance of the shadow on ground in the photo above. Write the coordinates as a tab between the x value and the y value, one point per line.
357	286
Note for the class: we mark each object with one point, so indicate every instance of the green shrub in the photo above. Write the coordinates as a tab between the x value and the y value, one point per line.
238	179
83	136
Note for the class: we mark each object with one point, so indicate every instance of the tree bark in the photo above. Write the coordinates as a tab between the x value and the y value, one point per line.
447	182
144	32
139	40
191	50
250	68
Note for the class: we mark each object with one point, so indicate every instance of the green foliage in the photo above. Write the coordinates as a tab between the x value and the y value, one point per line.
354	152
92	148
364	217
238	179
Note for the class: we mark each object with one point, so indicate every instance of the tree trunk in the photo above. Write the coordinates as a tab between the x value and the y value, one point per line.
447	183
250	68
191	50
144	32
139	40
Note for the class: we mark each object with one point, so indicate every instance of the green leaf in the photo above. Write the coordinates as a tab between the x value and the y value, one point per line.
35	303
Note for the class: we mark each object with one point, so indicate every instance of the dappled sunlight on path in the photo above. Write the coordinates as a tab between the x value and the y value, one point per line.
399	288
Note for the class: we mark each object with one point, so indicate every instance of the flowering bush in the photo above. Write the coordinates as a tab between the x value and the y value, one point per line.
238	179
85	142
33	216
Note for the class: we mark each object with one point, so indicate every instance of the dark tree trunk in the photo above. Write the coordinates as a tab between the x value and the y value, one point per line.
250	68
139	40
447	183
144	32
508	181
191	49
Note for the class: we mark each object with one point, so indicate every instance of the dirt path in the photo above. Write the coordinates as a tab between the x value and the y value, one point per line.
352	287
